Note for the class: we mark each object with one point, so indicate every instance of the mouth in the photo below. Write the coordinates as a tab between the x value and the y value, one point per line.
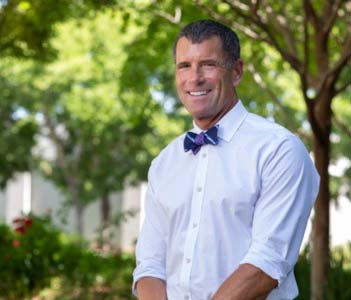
198	93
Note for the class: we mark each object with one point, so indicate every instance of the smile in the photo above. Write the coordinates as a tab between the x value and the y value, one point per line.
199	93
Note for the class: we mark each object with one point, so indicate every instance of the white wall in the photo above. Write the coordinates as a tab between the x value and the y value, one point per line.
45	198
2	206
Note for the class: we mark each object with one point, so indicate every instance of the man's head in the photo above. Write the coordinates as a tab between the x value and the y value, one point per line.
208	68
201	30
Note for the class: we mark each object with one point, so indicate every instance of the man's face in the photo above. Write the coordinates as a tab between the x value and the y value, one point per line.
205	86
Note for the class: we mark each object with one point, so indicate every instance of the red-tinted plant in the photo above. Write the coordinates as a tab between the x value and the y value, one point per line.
16	243
21	225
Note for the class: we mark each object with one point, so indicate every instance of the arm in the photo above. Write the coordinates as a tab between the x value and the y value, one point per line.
246	280
149	276
150	288
289	185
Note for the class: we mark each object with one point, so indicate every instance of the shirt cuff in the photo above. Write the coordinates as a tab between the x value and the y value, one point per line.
145	272
267	260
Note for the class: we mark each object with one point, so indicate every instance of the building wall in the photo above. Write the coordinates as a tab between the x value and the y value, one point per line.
2	206
45	198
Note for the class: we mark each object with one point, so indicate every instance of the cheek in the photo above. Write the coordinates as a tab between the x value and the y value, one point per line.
179	83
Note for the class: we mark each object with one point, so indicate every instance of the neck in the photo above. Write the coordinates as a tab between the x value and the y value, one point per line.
207	123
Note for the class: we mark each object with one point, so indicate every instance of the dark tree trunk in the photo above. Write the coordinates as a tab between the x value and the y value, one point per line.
105	210
320	227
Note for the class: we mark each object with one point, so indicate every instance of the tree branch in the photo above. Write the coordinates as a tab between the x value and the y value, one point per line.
345	128
332	75
173	19
244	29
255	18
57	142
255	6
343	87
306	60
330	14
261	83
281	25
311	14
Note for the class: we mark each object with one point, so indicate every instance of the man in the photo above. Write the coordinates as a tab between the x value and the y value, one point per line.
227	203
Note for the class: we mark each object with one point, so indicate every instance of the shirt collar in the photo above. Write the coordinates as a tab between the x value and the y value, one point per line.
229	123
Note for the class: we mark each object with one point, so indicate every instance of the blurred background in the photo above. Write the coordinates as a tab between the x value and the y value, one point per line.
87	100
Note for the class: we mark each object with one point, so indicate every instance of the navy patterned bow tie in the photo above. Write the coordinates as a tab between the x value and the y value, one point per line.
193	141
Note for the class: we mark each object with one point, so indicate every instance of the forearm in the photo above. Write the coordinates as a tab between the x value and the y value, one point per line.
246	283
150	288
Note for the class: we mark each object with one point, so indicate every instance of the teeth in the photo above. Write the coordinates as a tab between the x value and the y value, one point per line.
198	93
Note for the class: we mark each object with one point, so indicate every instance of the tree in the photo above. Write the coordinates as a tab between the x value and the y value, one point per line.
101	135
27	26
25	30
17	128
309	40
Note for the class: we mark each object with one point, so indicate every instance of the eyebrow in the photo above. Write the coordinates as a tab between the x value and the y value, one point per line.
206	61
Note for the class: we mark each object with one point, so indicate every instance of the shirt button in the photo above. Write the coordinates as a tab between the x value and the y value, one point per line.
188	260
186	297
194	225
199	189
204	155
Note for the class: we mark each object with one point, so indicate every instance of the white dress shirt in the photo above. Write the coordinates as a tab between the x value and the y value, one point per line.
245	200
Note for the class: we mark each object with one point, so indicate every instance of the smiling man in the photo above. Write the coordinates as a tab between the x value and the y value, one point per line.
227	202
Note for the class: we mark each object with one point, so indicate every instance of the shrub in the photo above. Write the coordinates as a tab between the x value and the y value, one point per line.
36	259
29	257
339	278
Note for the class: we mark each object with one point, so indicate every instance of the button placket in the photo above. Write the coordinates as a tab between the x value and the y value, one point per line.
195	214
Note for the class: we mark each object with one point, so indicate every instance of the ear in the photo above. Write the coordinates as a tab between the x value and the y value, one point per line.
237	72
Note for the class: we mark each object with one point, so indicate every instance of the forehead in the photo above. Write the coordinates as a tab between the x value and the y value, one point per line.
210	48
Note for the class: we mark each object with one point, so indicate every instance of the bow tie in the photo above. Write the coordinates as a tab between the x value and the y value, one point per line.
194	141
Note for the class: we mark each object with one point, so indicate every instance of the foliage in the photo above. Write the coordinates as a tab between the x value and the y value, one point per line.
36	258
339	277
27	26
29	257
101	137
17	126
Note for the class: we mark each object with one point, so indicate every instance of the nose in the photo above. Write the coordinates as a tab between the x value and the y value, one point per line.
196	75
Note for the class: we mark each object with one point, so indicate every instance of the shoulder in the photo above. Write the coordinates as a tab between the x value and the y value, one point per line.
168	155
266	133
269	141
258	125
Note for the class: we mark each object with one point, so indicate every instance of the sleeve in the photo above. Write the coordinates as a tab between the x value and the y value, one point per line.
289	186
151	244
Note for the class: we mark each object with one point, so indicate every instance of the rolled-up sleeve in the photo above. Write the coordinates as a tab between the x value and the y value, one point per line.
151	244
289	186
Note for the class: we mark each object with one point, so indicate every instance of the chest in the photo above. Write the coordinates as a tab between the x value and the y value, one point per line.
216	179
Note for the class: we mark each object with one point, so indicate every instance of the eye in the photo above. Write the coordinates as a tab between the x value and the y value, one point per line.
183	66
210	64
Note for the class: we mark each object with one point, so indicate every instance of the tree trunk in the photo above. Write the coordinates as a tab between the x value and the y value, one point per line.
320	227
105	210
77	206
79	218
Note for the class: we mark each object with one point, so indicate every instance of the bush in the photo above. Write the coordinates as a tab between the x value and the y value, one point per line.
36	259
339	277
29	257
